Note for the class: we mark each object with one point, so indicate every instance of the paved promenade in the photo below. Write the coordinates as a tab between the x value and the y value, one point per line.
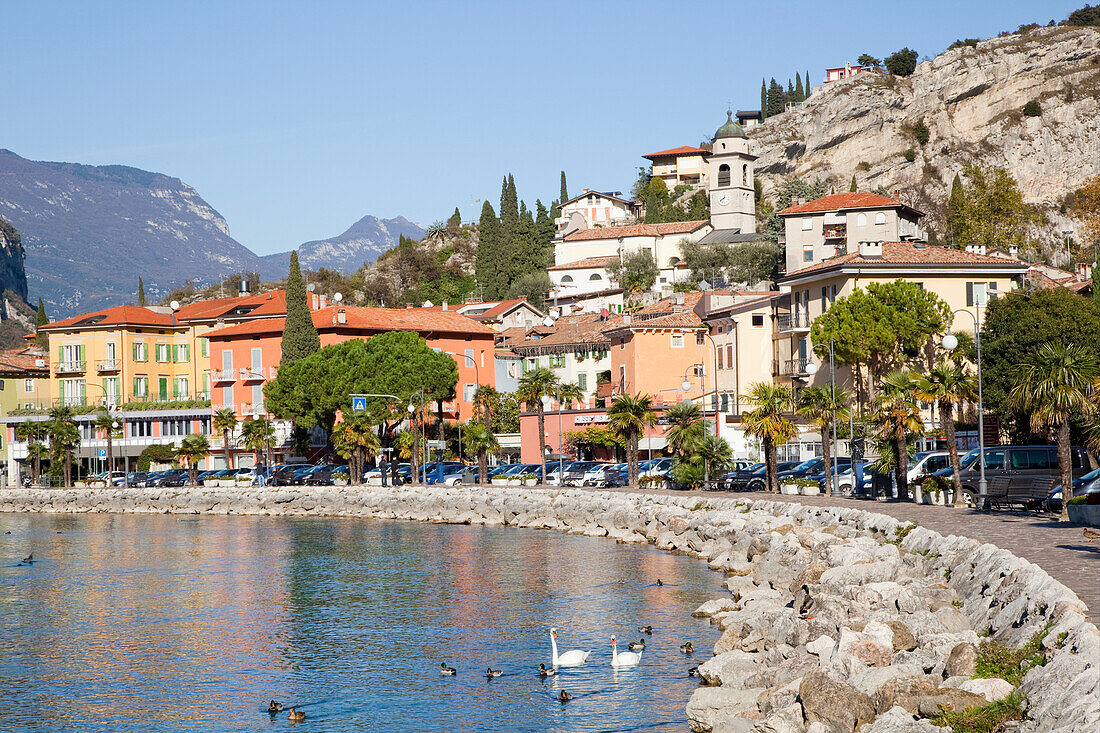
1059	548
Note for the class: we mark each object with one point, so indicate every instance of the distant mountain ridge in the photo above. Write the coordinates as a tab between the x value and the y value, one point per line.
90	231
360	244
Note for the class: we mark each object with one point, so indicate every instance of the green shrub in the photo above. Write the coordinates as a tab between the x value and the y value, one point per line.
157	453
1032	109
921	132
910	155
998	660
983	718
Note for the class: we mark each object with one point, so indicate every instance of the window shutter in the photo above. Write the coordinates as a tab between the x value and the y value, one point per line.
969	294
106	394
175	352
60	354
175	388
61	391
80	353
206	383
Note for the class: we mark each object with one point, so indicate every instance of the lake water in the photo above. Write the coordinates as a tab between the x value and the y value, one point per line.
157	622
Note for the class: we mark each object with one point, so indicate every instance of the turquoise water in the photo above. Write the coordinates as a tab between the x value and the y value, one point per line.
154	623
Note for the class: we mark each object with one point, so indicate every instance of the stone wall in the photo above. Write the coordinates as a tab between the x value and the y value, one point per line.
837	618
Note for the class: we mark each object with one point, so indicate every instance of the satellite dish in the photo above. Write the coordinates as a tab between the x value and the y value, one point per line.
427	304
175	305
311	287
337	297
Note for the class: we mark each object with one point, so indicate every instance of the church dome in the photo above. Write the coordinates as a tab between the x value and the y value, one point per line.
730	129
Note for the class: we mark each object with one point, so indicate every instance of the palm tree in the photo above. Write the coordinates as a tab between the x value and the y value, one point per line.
225	422
1056	383
898	416
769	422
257	434
533	386
31	432
628	416
355	439
687	429
192	449
568	393
64	438
949	385
823	405
716	452
111	428
480	439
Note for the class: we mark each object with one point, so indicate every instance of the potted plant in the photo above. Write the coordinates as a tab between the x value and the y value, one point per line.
1084	510
808	487
790	486
528	479
932	490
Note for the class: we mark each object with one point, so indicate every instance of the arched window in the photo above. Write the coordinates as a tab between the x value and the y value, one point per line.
595	276
673	261
861	220
723	175
567	278
880	218
745	175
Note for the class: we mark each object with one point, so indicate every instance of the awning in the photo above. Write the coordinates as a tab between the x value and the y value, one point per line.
654	443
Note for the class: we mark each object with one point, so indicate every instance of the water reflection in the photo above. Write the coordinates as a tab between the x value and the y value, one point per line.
163	623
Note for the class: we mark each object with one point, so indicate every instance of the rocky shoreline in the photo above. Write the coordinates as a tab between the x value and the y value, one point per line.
887	634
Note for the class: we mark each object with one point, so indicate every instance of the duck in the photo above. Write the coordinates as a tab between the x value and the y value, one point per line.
1091	535
274	707
626	659
296	715
28	560
637	646
659	583
491	673
571	658
693	671
645	629
807	603
544	672
687	648
444	669
565	696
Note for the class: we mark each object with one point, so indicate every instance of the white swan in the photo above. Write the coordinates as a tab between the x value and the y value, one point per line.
626	659
571	658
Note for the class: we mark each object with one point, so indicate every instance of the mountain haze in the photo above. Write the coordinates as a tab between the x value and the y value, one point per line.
360	244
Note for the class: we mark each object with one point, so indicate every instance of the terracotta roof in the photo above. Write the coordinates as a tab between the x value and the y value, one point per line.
511	335
637	230
272	302
494	310
911	253
586	263
682	150
25	361
839	201
120	315
580	329
664	305
684	319
606	194
421	320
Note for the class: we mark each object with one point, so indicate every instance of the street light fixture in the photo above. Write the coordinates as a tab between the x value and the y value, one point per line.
950	342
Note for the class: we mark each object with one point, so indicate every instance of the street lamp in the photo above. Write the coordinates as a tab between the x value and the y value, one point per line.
950	342
811	369
546	406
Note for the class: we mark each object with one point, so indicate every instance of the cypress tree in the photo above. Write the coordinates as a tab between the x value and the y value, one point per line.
809	87
763	100
544	228
456	219
300	337
956	207
40	320
777	98
141	292
564	195
487	265
799	90
853	188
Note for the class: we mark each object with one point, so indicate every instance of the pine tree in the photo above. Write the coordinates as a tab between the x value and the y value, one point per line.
40	320
456	219
853	188
141	293
300	337
790	90
777	98
799	90
564	195
488	262
763	100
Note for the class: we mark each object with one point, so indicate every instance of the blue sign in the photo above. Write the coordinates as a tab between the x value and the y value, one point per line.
102	452
359	404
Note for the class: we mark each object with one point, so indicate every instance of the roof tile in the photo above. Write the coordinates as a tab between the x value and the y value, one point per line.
909	253
637	230
838	201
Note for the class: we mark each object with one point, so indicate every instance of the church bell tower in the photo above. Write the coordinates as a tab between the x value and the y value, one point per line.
729	179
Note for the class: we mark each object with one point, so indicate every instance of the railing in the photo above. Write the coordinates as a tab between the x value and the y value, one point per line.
835	231
253	408
70	367
273	372
223	375
107	365
795	366
793	321
252	375
223	406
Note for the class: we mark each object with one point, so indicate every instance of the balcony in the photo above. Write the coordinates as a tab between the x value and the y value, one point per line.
254	408
256	374
794	321
223	375
108	365
835	231
224	406
70	367
794	367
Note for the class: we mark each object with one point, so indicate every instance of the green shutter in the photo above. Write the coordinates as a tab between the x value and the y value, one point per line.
134	392
175	389
80	353
61	391
163	391
60	354
206	383
969	294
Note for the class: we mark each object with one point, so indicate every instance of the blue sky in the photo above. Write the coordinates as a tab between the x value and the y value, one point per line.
295	119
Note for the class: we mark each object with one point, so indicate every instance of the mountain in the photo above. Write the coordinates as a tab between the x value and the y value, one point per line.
971	98
360	244
90	231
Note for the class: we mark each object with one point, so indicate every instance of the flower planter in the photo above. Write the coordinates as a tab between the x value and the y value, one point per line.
530	481
809	490
244	482
227	483
1087	514
789	489
344	481
938	498
211	482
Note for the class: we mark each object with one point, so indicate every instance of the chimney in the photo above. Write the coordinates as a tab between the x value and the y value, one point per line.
444	304
408	306
244	288
324	300
1013	250
870	249
1084	270
341	316
627	318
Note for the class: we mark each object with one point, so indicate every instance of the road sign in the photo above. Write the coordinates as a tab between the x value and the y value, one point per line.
359	404
102	452
437	444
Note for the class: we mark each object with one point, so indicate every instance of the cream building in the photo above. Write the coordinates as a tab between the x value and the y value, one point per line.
595	209
679	166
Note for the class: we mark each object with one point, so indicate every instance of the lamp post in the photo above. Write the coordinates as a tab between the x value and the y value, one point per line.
950	341
414	475
811	369
546	400
686	385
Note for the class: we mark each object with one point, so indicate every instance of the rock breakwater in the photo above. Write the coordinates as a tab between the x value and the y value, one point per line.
836	618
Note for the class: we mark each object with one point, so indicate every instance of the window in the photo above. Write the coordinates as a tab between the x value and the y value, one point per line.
582	381
179	388
162	353
824	299
744	175
725	403
729	356
557	361
257	356
141	386
807	254
140	351
758	320
622	343
719	365
513	369
181	353
723	175
204	347
591	200
880	219
807	223
140	428
677	341
72	391
595	276
700	339
162	388
861	220
567	278
28	386
468	392
622	376
257	397
976	294
109	352
110	390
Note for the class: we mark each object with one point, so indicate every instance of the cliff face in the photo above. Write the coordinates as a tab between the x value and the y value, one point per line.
13	276
971	99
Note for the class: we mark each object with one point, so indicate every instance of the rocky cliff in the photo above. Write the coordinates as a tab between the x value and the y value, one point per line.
360	244
13	276
972	99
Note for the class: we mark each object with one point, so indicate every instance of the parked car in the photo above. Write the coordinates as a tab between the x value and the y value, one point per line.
755	478
597	475
617	476
440	470
171	477
283	474
318	476
654	467
926	464
1021	474
578	471
137	478
1087	484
